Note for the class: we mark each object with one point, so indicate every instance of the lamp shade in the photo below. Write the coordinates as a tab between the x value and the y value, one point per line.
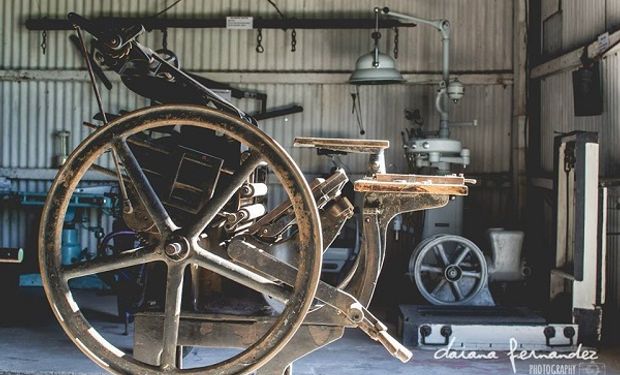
383	74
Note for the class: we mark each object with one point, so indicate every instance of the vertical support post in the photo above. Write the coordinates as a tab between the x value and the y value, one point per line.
519	107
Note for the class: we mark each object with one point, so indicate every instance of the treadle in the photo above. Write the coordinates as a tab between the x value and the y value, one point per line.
482	328
413	184
361	146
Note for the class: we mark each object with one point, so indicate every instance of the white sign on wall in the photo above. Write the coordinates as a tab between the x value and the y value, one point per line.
240	23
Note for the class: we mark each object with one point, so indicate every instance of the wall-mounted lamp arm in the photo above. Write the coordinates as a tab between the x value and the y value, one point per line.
441	100
442	25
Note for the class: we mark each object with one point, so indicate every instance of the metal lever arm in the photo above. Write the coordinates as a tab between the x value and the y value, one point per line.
269	266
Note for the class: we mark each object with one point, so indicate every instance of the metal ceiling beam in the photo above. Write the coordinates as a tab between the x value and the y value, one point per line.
49	24
575	58
287	77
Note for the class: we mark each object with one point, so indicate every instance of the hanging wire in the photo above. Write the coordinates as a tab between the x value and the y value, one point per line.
293	33
273	4
166	9
356	109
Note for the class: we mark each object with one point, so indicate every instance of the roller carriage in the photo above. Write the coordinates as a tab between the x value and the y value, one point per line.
220	266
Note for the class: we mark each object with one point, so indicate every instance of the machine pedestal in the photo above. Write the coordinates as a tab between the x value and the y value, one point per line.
230	331
482	328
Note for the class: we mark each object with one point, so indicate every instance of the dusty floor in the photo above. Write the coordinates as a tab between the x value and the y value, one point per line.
32	342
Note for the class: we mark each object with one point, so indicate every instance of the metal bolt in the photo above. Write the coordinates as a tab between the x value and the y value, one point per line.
173	249
425	330
446	331
549	332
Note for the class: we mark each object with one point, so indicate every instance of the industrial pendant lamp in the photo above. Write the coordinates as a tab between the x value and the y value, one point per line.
375	68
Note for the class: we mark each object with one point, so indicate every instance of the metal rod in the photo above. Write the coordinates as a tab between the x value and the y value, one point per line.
172	316
143	188
39	24
126	259
278	112
127	206
241	275
91	73
193	81
441	100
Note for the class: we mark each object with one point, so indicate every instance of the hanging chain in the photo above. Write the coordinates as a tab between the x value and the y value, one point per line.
293	40
396	42
259	42
43	41
164	40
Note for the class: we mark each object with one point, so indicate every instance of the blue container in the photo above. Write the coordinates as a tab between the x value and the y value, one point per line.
71	248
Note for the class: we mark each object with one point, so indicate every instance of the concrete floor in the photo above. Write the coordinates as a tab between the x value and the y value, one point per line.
32	342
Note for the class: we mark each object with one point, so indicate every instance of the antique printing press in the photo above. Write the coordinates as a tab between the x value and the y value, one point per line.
192	179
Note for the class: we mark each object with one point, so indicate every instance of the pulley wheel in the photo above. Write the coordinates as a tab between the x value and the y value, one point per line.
448	270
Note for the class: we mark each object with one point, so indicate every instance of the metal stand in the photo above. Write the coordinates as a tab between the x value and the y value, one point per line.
229	331
482	328
579	259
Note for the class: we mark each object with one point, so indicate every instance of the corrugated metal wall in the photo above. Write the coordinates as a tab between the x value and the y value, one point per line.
32	110
582	22
482	27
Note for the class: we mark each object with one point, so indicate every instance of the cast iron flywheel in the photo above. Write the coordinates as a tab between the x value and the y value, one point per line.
177	247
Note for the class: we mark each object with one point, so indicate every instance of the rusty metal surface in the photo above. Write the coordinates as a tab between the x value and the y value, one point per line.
279	219
425	179
343	306
412	184
355	145
373	186
246	262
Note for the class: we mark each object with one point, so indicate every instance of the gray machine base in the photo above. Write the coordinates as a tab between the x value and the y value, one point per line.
228	331
482	328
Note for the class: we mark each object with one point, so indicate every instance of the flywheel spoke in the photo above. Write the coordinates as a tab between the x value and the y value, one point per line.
143	188
475	275
172	315
128	258
442	254
462	256
432	269
221	197
438	287
233	271
456	290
